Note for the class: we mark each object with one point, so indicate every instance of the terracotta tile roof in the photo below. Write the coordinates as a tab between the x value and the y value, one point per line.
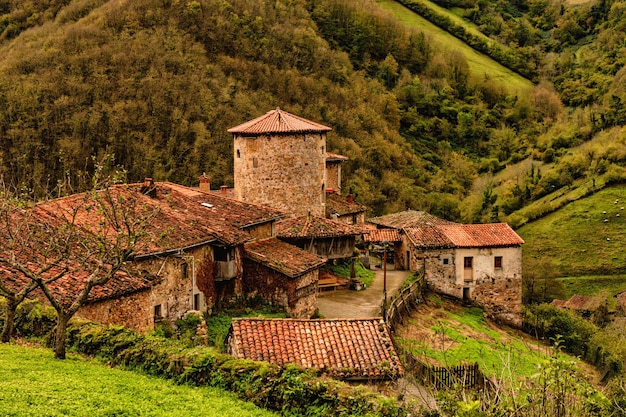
339	205
558	303
312	227
480	235
282	257
332	157
343	348
584	303
181	217
464	236
382	235
278	121
66	288
409	218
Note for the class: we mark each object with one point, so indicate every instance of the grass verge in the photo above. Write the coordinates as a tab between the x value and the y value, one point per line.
33	383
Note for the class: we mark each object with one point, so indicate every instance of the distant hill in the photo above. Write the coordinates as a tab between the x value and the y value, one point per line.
158	83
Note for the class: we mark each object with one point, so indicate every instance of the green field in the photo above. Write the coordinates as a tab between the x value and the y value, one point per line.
481	66
585	237
32	383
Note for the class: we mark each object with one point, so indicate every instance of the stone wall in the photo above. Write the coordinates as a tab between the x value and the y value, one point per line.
181	281
333	176
282	171
261	231
297	295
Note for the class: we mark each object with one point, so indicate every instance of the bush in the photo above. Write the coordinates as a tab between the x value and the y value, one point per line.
549	322
32	319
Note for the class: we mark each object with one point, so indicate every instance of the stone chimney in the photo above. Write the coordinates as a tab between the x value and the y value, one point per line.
148	187
205	183
224	190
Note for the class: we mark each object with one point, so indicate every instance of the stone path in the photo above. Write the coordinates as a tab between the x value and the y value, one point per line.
358	304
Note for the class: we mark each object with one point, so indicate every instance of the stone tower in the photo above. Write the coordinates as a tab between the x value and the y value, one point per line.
280	161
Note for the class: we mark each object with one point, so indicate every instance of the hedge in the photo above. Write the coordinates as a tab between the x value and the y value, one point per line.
291	390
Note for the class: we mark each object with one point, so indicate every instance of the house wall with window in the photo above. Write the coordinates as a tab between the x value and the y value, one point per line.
284	171
489	277
181	282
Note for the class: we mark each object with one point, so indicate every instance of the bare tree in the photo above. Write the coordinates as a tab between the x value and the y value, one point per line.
71	245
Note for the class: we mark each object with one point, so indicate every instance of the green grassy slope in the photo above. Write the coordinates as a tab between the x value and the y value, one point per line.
33	383
585	238
480	64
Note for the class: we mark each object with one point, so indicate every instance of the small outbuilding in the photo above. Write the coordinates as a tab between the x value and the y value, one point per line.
347	349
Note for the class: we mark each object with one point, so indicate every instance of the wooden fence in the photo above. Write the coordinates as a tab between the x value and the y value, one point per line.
400	305
468	376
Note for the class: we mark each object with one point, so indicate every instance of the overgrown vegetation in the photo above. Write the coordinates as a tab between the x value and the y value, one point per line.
292	391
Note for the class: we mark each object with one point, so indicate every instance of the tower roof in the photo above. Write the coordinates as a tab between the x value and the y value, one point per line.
278	121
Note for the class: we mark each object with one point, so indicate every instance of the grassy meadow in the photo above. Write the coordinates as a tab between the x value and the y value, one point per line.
480	65
33	383
581	245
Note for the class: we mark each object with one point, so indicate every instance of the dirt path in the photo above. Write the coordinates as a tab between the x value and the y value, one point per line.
360	304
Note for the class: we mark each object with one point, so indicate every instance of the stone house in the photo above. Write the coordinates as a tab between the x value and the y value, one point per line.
193	256
348	349
477	263
280	160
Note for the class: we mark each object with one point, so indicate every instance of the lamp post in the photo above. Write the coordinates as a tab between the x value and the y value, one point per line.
385	245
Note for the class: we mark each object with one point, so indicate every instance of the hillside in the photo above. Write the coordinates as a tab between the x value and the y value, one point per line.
157	84
584	239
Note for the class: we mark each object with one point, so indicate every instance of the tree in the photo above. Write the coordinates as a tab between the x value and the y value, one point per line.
66	247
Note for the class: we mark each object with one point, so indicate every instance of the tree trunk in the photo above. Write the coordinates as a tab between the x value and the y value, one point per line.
9	320
60	336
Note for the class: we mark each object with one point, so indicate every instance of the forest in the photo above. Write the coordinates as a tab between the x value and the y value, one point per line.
157	83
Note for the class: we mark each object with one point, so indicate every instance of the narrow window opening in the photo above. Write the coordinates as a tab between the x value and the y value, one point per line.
183	270
196	301
238	154
255	162
158	316
497	262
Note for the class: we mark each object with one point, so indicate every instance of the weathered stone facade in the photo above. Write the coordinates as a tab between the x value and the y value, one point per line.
183	282
297	295
284	171
496	289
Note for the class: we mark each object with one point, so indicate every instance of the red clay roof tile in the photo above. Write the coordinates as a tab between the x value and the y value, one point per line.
278	121
343	348
382	235
282	257
408	218
464	235
341	205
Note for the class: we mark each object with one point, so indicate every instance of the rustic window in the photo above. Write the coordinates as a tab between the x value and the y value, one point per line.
183	270
196	301
446	261
223	254
467	262
238	154
497	262
158	315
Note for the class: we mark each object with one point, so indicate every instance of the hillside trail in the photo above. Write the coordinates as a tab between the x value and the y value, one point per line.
360	304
